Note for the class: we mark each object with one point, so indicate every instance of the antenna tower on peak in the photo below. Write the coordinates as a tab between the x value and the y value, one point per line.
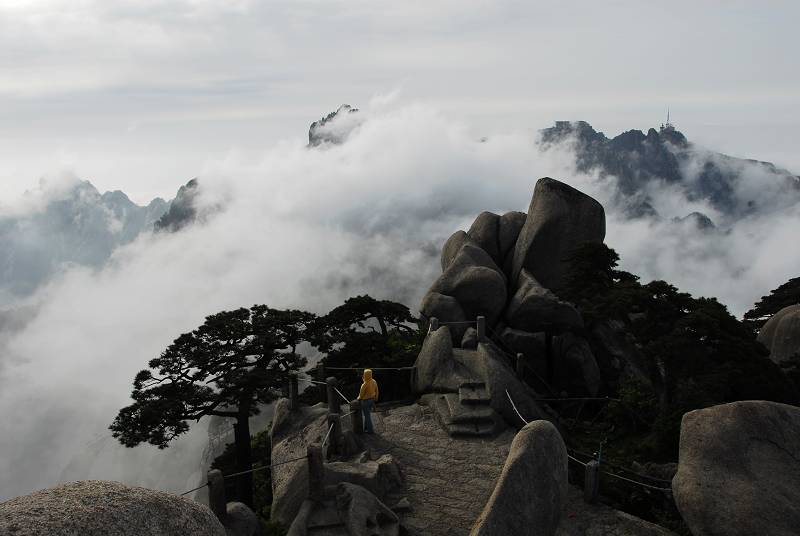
667	125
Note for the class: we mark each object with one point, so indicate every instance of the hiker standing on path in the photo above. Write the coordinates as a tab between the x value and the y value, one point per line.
368	396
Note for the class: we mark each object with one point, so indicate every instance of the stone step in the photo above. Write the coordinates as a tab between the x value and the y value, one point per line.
470	429
464	413
473	393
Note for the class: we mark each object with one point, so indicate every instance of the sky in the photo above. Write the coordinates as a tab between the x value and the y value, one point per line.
143	95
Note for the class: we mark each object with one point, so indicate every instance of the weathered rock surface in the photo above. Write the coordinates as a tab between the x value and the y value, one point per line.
363	514
434	358
531	492
485	232
470	339
475	281
102	508
560	218
510	226
380	477
290	480
582	519
452	247
241	520
781	334
445	309
534	307
739	470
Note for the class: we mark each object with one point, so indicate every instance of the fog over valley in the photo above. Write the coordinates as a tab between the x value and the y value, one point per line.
308	226
166	160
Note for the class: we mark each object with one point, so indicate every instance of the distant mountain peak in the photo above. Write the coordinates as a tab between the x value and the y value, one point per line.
335	127
665	155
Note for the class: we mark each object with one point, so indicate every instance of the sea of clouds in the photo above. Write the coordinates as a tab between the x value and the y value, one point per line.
308	228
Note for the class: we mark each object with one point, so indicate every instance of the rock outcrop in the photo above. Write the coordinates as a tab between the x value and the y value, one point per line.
240	520
560	219
303	427
531	492
739	470
781	335
102	508
504	269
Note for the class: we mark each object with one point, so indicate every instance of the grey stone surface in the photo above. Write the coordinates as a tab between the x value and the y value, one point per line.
434	357
560	218
363	514
781	334
445	309
525	342
476	282
739	470
450	479
484	233
290	480
510	226
581	519
241	520
280	417
470	339
102	508
381	477
531	491
451	248
533	307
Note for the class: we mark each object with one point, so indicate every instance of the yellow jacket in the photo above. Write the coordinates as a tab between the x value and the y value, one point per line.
369	389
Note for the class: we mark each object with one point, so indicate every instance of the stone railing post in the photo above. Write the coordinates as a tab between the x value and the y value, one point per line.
481	328
216	494
591	483
335	438
355	418
334	402
316	473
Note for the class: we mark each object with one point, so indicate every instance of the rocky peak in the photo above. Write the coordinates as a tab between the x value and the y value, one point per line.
334	127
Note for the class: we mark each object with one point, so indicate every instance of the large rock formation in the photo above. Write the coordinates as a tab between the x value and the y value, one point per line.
531	491
101	508
503	269
560	218
781	335
739	470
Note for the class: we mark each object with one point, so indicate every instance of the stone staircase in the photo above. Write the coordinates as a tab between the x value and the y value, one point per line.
466	413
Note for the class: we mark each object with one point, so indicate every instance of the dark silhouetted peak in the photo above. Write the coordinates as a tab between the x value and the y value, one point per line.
664	155
697	219
182	210
334	127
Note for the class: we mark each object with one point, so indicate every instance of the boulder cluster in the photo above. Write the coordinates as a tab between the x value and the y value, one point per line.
507	268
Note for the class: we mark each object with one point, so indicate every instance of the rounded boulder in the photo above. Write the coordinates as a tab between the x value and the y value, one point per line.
103	508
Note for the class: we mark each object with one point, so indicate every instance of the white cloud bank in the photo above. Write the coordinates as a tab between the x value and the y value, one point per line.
309	228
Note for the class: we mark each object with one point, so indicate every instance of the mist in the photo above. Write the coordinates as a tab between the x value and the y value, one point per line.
308	228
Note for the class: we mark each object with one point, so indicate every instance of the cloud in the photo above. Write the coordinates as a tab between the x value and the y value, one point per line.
308	228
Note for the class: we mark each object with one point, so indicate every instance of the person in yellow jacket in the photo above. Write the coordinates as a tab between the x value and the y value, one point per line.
368	396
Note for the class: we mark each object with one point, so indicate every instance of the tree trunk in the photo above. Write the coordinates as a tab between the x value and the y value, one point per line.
244	459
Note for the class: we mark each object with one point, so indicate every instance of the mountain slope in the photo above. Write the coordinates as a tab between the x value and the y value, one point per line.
733	186
80	226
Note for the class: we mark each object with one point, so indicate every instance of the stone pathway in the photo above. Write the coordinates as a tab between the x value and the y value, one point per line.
449	479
